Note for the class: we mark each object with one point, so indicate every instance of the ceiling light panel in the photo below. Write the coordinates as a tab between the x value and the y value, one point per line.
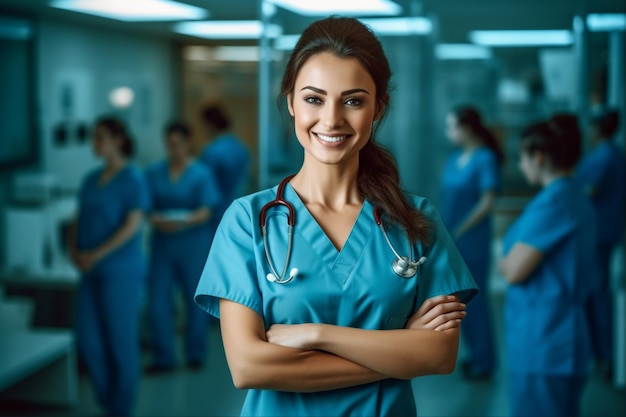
399	26
606	22
521	37
461	51
134	10
227	29
344	7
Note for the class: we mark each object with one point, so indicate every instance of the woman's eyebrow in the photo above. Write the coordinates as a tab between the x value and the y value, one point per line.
343	93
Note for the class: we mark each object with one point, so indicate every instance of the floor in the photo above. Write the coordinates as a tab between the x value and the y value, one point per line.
209	392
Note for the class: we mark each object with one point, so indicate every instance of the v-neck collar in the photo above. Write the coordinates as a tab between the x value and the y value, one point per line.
342	262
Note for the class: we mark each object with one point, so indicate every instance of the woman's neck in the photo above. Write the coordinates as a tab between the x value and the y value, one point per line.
114	163
549	177
470	145
179	163
332	186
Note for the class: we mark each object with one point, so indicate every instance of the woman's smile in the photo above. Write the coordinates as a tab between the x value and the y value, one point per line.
331	138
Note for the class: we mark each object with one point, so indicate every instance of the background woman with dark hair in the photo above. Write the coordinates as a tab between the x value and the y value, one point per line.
105	244
344	333
470	182
184	195
549	265
603	177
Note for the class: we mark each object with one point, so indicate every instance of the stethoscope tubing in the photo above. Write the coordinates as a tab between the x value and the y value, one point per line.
403	266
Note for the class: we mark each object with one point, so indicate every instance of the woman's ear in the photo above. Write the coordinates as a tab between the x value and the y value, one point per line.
290	104
539	159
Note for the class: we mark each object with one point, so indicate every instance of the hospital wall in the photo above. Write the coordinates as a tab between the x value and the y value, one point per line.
75	69
78	67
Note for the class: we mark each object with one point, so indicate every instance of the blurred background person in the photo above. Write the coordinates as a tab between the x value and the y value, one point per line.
549	269
106	246
184	195
470	182
601	172
228	158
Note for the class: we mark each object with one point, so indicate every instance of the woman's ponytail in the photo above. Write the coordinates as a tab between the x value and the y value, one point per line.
379	181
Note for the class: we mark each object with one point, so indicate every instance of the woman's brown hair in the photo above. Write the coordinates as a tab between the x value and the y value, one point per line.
378	178
117	129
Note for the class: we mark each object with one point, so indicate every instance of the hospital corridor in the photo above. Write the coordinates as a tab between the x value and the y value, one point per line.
312	208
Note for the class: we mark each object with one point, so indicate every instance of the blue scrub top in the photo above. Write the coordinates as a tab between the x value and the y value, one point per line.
355	287
229	160
546	330
194	189
461	189
602	170
103	209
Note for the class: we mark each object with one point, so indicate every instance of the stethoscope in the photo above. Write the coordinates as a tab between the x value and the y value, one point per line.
403	266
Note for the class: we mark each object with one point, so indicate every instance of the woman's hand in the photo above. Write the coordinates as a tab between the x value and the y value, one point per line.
86	260
167	226
299	336
438	313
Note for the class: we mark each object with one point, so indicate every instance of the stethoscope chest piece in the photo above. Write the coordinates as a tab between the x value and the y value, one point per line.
403	267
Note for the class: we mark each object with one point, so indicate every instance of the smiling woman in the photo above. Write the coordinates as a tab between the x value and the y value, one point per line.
346	335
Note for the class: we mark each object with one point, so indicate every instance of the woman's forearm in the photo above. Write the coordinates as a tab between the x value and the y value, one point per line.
403	354
481	210
121	235
269	366
199	216
256	363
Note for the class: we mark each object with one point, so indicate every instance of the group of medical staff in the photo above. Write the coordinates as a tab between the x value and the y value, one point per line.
181	199
556	256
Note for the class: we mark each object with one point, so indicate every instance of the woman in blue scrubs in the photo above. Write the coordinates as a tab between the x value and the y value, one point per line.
469	184
549	263
346	334
105	244
602	174
184	195
227	157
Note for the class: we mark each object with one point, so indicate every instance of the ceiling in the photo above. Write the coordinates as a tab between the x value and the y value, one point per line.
455	17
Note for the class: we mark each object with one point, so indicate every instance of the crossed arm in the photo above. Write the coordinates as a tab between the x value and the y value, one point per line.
317	357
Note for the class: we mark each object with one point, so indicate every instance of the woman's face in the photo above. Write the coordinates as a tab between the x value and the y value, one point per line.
456	132
104	143
177	146
529	165
334	106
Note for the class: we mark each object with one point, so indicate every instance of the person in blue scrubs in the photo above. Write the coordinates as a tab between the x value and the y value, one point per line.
345	336
105	244
227	157
550	267
184	194
602	174
469	185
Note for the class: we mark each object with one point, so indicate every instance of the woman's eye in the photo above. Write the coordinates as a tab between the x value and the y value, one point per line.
312	100
353	102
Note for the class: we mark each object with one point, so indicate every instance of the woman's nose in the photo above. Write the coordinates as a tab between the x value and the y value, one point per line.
332	115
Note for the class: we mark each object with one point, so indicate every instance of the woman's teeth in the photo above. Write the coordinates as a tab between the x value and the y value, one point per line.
331	139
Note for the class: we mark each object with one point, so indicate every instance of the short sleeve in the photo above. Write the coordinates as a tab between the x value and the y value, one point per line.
230	269
489	175
543	226
138	195
445	271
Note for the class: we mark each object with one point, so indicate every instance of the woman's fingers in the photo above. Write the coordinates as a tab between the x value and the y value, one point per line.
433	302
438	312
449	325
